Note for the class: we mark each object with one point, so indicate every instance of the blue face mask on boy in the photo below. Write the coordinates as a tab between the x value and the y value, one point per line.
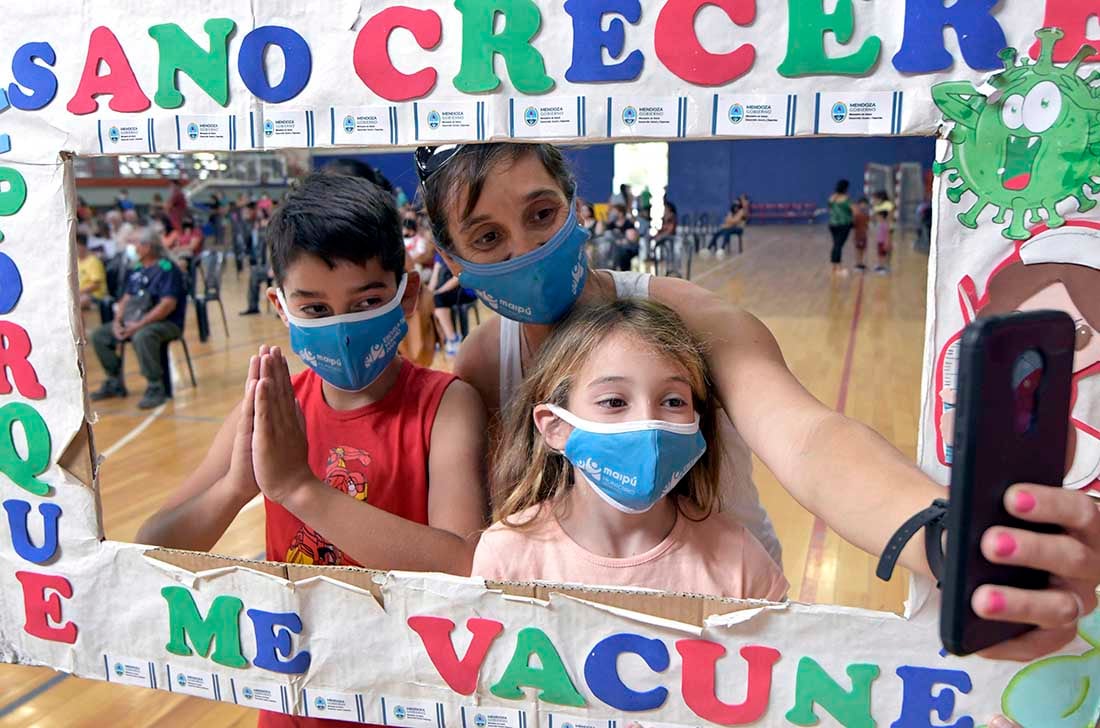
632	465
349	351
539	287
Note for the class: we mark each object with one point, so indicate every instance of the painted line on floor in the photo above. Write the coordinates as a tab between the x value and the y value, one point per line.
30	695
135	432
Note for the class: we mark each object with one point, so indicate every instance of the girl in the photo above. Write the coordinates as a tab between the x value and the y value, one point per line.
611	468
501	214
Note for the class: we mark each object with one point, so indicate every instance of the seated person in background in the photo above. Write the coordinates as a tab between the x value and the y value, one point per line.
645	515
586	217
260	274
733	224
90	273
627	249
447	293
150	314
669	222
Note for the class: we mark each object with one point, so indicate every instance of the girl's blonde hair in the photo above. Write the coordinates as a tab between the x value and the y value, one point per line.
527	472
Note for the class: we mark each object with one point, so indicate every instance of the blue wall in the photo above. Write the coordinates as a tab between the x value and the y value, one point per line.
594	167
705	176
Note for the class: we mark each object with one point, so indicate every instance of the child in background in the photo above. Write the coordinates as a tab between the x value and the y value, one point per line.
861	218
610	461
884	214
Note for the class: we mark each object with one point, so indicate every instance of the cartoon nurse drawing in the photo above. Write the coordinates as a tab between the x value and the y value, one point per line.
1054	269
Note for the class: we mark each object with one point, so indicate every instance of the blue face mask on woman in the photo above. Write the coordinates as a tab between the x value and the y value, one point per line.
351	350
539	287
632	465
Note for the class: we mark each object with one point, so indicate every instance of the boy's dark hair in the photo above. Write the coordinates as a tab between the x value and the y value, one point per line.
842	186
82	239
883	214
335	217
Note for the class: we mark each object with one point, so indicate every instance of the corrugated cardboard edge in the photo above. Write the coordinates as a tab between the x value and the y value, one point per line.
365	579
195	562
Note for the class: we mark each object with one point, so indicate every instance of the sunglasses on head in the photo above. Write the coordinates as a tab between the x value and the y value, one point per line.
429	160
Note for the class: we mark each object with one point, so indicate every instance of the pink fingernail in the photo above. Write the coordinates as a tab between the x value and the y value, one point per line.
1005	545
1025	502
996	602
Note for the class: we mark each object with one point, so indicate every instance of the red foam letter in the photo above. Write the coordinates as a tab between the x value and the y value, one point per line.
15	347
435	632
679	49
42	609
1072	16
126	94
700	659
371	55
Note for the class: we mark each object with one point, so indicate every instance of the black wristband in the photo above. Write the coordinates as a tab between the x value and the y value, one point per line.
931	519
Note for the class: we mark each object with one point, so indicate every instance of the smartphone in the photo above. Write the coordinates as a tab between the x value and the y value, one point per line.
1011	424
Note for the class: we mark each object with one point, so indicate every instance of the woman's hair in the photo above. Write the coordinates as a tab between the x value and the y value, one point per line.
842	187
527	472
470	167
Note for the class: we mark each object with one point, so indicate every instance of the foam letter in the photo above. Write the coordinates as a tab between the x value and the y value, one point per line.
220	626
590	39
41	610
209	69
551	678
479	44
23	472
371	56
922	48
918	702
814	686
435	633
15	347
679	49
1072	16
18	515
41	81
805	42
13	188
296	56
601	671
273	639
126	95
700	659
11	283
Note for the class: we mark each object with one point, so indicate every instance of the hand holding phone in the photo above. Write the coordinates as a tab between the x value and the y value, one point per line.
1011	423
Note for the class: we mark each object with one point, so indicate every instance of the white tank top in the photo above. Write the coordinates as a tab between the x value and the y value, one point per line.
740	499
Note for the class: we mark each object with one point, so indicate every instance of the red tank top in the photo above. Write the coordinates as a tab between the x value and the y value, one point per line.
377	453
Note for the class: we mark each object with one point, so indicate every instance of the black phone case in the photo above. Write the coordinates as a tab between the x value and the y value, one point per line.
990	455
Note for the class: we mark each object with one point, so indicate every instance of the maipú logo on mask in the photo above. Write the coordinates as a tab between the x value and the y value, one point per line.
376	353
314	359
594	472
501	303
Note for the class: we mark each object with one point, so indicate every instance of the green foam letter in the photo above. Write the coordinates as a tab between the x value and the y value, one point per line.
209	69
24	472
221	626
550	678
805	41
479	44
814	686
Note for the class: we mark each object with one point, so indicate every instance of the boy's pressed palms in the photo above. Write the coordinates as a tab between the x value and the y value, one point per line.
280	453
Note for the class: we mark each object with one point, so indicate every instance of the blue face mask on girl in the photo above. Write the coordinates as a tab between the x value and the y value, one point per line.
632	465
349	351
539	287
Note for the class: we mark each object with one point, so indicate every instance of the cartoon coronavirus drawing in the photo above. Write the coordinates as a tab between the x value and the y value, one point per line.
1028	146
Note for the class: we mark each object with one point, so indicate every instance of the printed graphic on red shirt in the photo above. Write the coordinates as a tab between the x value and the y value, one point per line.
345	470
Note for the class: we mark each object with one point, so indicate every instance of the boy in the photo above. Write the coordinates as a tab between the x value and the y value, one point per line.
380	434
860	219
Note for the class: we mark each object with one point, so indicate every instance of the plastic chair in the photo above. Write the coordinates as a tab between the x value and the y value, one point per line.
460	316
211	264
165	363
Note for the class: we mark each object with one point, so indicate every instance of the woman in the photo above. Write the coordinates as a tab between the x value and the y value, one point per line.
840	222
733	224
505	222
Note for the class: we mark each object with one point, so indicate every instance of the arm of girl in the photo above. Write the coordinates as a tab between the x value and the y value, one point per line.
860	485
369	535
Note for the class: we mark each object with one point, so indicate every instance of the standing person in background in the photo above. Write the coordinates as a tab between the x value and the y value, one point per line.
628	199
177	204
645	203
861	217
884	214
122	201
840	223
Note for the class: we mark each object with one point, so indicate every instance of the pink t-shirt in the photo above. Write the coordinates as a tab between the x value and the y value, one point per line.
713	556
